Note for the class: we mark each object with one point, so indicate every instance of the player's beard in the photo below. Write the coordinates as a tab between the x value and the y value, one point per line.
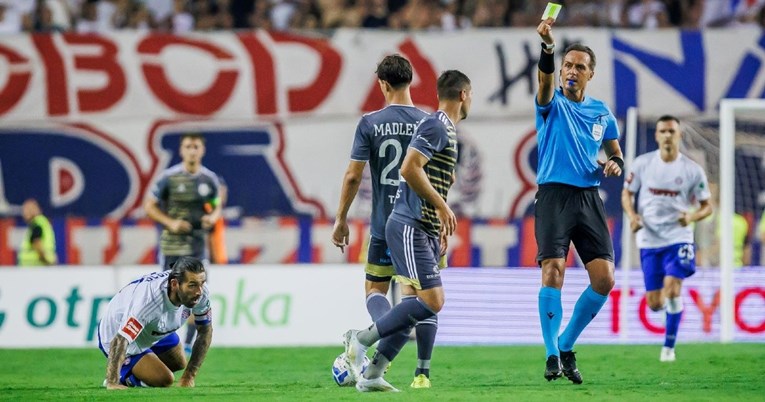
188	300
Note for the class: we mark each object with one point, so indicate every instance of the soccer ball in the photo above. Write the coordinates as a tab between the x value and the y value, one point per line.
341	372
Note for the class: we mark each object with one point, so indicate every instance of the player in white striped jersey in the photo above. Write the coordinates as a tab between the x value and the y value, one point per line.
137	332
670	187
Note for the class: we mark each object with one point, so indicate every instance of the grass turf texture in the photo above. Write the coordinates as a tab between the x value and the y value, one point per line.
703	372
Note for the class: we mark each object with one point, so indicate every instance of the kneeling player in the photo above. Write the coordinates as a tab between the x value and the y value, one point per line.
137	333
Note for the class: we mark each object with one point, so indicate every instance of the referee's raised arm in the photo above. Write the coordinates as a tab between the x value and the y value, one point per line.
546	63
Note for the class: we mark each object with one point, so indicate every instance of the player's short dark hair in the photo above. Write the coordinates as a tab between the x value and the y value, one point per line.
186	264
395	70
451	83
193	136
581	48
668	117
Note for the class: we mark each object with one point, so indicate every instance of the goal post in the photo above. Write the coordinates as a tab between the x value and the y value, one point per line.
630	148
728	110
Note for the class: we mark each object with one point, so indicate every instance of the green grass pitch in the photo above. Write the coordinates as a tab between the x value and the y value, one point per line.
703	372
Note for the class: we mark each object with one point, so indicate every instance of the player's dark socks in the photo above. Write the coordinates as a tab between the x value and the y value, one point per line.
377	305
673	323
390	346
405	315
674	314
377	366
422	370
568	363
552	368
426	337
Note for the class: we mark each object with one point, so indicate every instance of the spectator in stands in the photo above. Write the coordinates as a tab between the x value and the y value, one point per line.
88	20
650	14
240	12
10	17
139	17
181	19
375	14
213	15
39	245
307	15
41	19
491	13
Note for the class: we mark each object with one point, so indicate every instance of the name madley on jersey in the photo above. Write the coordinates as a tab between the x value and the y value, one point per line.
395	128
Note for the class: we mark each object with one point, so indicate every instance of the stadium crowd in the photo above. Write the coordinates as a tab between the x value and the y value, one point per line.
180	16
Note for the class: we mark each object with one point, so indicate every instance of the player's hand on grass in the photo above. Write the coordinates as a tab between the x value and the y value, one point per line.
186	382
340	234
115	386
610	168
179	226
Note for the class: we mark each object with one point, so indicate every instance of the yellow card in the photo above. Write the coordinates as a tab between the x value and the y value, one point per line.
551	11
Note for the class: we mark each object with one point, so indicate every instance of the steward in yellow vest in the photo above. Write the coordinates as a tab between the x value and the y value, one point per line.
39	245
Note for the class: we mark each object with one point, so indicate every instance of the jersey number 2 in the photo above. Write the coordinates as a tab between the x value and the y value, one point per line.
384	179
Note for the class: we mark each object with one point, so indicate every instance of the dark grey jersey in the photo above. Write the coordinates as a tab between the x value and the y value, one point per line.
183	195
381	139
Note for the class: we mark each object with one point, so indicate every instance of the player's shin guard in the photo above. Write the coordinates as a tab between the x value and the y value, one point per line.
550	314
674	314
586	308
377	305
426	337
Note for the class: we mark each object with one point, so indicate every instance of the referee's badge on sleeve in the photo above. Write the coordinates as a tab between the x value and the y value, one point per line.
597	131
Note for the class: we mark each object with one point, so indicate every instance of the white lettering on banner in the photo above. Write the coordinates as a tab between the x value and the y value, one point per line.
281	305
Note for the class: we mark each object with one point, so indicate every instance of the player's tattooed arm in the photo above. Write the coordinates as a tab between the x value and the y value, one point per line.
117	351
198	353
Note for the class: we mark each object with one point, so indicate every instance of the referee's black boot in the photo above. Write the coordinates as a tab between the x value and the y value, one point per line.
568	360
552	368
